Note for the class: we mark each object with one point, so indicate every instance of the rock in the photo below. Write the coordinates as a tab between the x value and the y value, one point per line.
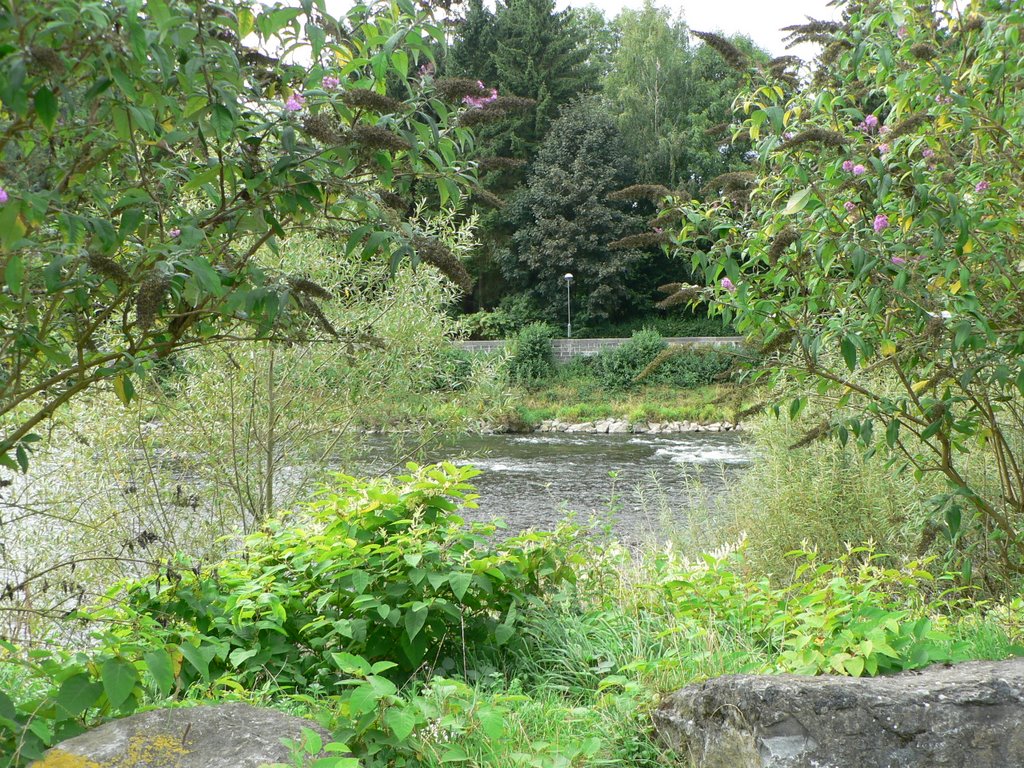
222	736
654	427
586	426
970	714
602	426
638	429
618	427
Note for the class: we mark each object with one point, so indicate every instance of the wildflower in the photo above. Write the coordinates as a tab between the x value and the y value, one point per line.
883	149
881	222
859	170
727	285
940	99
3	196
330	83
174	233
884	130
981	186
871	122
850	206
848	166
898	260
902	33
295	102
929	152
427	69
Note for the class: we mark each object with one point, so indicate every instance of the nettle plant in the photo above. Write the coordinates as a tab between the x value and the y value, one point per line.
154	152
876	248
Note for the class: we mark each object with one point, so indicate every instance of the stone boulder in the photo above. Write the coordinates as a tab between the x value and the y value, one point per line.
222	736
969	714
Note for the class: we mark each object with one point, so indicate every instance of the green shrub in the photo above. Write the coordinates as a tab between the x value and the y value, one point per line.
386	573
852	616
531	359
619	367
686	368
453	370
827	494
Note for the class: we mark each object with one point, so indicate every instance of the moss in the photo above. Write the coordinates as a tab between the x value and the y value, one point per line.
143	751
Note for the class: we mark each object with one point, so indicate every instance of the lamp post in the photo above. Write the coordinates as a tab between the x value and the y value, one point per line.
568	305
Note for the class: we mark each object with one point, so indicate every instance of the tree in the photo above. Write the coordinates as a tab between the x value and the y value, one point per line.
564	221
668	98
151	151
881	251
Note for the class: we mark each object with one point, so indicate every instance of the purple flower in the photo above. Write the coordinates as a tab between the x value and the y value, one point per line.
295	102
981	186
898	260
881	222
727	285
850	206
173	233
940	99
859	170
929	152
427	69
3	196
476	102
902	33
871	122
330	83
848	165
884	129
883	148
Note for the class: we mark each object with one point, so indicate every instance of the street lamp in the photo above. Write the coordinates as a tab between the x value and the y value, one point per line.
568	305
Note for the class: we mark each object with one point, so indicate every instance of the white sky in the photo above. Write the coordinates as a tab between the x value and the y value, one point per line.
760	20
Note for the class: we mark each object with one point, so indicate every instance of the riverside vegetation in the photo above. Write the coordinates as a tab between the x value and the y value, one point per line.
164	546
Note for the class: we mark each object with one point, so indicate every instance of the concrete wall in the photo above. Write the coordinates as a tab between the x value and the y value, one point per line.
566	349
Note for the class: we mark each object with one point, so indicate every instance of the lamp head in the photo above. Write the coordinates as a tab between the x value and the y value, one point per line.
568	277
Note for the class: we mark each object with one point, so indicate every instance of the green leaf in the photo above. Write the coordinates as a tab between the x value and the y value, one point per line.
161	667
401	722
492	723
362	700
46	107
454	754
849	350
119	680
239	655
14	273
460	583
123	388
797	201
503	633
415	618
79	693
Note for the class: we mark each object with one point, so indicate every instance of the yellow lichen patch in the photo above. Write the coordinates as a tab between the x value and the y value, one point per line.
58	758
143	751
151	751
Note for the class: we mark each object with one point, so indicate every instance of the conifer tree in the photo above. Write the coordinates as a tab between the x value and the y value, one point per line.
563	221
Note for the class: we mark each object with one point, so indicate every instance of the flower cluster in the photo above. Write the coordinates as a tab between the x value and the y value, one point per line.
870	124
477	102
295	102
881	222
3	196
728	285
330	83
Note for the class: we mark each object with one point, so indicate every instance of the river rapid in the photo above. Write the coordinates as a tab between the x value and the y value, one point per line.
643	486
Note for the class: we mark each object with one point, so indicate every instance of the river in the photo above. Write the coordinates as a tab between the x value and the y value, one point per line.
643	486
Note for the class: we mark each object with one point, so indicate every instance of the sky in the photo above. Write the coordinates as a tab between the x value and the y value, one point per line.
758	19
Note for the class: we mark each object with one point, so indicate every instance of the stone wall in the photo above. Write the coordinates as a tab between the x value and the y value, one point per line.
566	349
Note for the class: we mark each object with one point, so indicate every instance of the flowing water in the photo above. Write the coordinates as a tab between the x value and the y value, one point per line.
643	485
